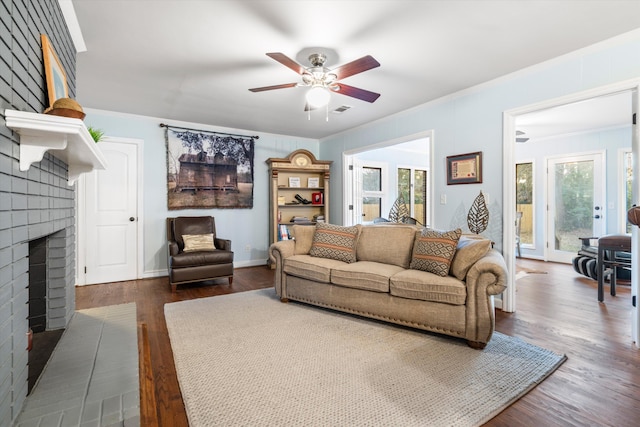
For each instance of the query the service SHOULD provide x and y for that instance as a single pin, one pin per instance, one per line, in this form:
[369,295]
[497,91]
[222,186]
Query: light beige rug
[248,359]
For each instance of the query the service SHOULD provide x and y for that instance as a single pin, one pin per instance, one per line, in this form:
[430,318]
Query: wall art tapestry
[208,169]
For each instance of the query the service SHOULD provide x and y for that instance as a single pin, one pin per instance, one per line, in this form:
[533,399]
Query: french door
[575,203]
[368,191]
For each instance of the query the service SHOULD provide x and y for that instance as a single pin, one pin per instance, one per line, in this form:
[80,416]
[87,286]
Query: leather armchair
[198,265]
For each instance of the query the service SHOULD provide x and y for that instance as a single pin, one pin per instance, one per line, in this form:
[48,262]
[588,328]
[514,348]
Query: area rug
[248,359]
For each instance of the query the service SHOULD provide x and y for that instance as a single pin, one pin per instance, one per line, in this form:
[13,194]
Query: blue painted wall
[242,226]
[472,121]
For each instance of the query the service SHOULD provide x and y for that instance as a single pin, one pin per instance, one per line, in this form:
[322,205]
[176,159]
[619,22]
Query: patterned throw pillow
[335,242]
[198,242]
[433,251]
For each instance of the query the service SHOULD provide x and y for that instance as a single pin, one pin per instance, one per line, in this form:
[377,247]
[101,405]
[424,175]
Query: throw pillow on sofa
[470,250]
[433,251]
[335,242]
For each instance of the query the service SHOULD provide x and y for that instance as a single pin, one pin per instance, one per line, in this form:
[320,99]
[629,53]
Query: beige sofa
[381,285]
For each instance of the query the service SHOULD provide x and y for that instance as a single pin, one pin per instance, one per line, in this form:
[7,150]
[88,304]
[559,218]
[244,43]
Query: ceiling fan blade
[355,92]
[354,67]
[283,86]
[287,62]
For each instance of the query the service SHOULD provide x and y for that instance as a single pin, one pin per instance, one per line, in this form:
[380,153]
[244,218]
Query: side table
[608,246]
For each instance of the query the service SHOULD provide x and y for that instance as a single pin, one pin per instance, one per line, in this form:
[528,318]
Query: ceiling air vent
[341,109]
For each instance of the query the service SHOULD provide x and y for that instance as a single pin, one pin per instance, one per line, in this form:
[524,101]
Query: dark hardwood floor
[599,384]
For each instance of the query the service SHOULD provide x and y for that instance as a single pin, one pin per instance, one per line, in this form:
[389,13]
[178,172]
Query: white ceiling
[195,60]
[605,112]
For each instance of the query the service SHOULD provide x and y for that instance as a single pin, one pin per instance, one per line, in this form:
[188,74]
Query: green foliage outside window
[574,198]
[524,183]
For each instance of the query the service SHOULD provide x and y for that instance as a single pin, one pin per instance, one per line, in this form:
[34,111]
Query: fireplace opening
[38,285]
[43,341]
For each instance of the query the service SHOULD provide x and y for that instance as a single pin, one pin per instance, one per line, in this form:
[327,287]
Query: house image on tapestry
[207,170]
[202,172]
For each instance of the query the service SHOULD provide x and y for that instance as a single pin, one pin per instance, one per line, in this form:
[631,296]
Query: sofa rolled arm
[278,252]
[485,278]
[488,276]
[223,244]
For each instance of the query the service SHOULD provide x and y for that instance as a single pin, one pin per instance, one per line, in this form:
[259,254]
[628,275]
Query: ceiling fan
[322,80]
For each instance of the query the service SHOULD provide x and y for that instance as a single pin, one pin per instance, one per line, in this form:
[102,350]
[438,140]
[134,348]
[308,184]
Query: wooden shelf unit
[303,165]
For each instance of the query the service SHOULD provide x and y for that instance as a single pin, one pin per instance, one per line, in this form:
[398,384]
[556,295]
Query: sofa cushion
[198,242]
[433,250]
[312,268]
[388,244]
[371,276]
[470,249]
[422,285]
[303,235]
[335,242]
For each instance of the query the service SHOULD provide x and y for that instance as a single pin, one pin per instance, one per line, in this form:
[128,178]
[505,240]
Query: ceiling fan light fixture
[318,96]
[330,78]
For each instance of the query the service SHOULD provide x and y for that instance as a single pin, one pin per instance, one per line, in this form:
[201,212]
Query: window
[524,200]
[412,186]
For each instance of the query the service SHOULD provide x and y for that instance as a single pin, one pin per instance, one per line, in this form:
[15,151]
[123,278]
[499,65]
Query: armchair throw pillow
[198,242]
[433,251]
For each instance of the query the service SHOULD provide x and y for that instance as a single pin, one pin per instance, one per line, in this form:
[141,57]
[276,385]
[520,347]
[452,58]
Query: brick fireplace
[33,203]
[40,208]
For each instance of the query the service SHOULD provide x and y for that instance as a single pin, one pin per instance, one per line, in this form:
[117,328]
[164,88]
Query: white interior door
[111,216]
[575,203]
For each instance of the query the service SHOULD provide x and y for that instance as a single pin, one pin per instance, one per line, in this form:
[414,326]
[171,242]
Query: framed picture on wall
[464,168]
[54,72]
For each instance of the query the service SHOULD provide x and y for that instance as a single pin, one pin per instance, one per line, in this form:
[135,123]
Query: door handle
[132,219]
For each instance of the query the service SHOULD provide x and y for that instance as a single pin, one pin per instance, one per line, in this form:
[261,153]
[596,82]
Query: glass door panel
[575,204]
[420,196]
[371,208]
